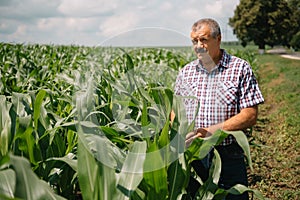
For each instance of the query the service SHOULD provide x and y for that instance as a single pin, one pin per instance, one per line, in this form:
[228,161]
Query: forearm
[245,119]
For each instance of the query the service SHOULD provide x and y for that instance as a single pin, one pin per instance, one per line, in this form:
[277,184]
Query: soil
[276,162]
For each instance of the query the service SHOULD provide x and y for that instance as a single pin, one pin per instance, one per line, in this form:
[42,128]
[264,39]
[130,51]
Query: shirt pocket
[227,93]
[189,92]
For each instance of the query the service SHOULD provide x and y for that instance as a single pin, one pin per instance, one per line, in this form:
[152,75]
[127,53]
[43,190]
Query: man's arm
[243,120]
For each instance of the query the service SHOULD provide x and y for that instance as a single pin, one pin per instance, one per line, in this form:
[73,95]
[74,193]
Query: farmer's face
[204,43]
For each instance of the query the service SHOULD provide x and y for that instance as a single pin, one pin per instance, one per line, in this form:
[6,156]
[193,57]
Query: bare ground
[276,161]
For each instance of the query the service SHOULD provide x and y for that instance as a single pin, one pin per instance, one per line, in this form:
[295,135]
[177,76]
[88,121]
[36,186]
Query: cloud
[118,23]
[89,22]
[87,8]
[214,8]
[29,9]
[70,24]
[191,13]
[6,2]
[147,36]
[166,6]
[7,26]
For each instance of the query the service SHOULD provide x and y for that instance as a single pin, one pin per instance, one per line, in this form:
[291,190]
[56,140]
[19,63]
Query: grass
[276,155]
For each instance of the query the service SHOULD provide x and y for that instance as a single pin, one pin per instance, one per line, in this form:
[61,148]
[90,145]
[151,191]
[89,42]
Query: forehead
[203,31]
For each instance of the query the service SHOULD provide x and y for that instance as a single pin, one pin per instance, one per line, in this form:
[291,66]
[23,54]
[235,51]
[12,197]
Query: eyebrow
[200,38]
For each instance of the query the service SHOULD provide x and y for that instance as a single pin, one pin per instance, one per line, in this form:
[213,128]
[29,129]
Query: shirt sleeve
[250,92]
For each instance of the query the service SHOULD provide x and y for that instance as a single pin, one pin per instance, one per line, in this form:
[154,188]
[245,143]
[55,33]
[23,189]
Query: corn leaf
[242,140]
[5,126]
[207,190]
[132,171]
[38,107]
[97,178]
[155,174]
[176,179]
[28,185]
[8,183]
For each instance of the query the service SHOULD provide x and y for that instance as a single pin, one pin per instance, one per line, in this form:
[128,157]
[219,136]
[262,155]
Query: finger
[190,135]
[188,143]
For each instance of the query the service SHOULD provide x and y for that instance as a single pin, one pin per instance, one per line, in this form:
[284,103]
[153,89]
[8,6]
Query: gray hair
[213,25]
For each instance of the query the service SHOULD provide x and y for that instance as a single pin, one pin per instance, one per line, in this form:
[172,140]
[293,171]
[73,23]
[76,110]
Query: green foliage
[94,123]
[20,182]
[295,42]
[264,22]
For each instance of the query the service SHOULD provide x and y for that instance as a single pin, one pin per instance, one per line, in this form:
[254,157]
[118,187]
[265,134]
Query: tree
[295,40]
[264,22]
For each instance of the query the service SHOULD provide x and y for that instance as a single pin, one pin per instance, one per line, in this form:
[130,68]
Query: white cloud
[83,24]
[20,32]
[214,8]
[89,22]
[7,26]
[118,23]
[166,6]
[87,8]
[29,9]
[191,14]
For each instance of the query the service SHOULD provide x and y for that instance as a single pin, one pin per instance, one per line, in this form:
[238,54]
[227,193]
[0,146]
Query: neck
[218,57]
[208,62]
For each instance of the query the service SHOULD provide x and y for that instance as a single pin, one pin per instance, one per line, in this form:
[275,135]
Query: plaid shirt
[219,94]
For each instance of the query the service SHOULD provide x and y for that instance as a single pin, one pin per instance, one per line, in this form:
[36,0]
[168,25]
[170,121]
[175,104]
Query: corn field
[94,123]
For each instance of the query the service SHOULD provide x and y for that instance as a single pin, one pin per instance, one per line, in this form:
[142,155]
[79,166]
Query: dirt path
[275,158]
[284,53]
[292,56]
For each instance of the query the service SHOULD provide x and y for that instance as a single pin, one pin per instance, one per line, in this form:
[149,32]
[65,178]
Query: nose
[200,44]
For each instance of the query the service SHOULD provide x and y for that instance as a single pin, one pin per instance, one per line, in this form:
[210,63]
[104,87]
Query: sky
[110,22]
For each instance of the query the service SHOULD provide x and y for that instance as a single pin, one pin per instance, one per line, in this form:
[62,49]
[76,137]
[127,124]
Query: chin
[199,57]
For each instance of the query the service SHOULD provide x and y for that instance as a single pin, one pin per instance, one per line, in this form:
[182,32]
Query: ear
[219,38]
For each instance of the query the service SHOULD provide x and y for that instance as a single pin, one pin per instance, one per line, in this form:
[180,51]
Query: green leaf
[69,159]
[8,183]
[129,63]
[164,138]
[38,108]
[155,174]
[132,171]
[88,173]
[97,164]
[180,122]
[207,190]
[28,145]
[28,185]
[244,144]
[5,126]
[236,190]
[176,179]
[202,146]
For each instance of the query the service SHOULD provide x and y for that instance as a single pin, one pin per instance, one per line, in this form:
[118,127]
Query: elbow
[250,116]
[253,120]
[253,115]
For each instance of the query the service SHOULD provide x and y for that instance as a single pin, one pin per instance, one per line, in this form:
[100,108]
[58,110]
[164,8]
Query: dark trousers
[233,170]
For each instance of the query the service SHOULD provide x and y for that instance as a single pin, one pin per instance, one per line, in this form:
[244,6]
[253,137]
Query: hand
[190,138]
[200,132]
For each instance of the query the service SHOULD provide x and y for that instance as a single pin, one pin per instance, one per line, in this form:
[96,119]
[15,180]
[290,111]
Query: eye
[195,42]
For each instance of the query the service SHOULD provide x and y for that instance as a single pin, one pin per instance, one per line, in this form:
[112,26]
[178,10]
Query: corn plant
[150,162]
[93,123]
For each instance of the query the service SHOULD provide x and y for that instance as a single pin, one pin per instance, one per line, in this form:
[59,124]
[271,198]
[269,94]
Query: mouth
[201,50]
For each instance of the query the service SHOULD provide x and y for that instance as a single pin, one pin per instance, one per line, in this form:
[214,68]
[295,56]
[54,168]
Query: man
[221,92]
